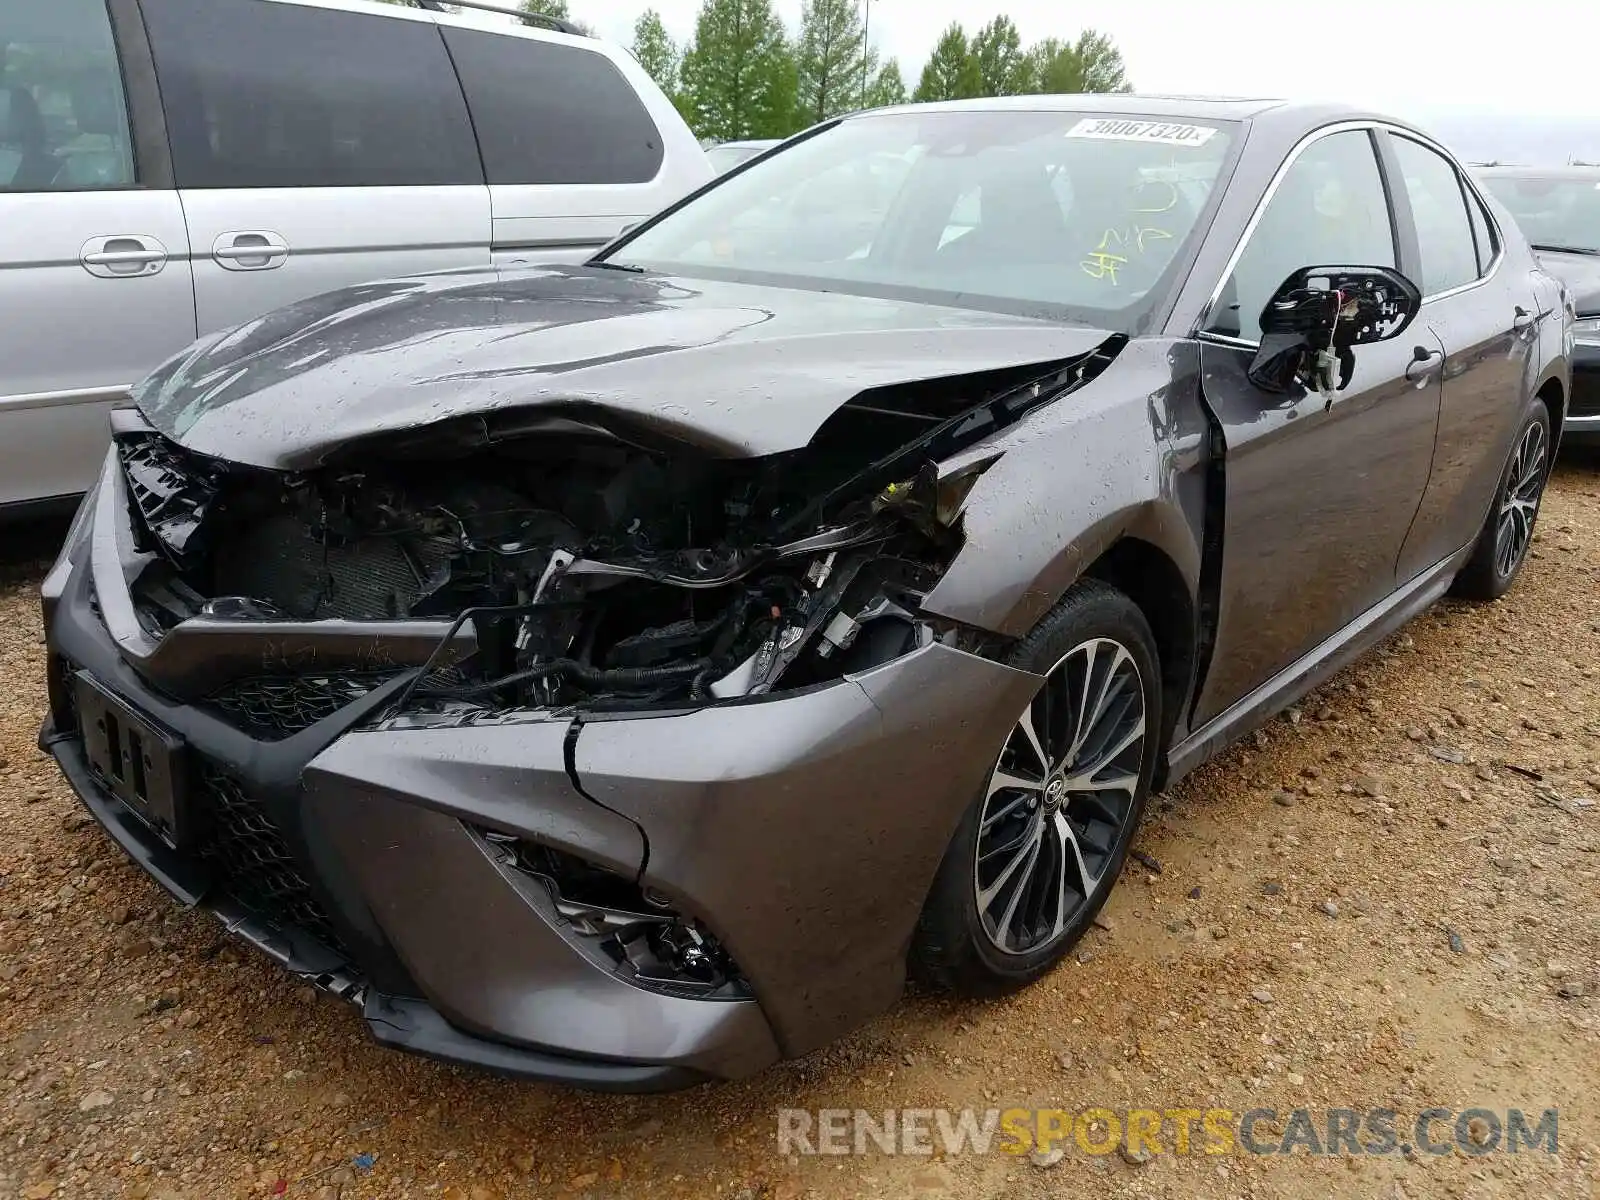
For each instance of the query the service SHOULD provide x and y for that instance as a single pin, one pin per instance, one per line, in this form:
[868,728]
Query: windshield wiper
[1565,249]
[608,265]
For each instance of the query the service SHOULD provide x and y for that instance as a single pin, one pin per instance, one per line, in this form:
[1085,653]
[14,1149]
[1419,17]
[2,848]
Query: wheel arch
[1150,578]
[1553,395]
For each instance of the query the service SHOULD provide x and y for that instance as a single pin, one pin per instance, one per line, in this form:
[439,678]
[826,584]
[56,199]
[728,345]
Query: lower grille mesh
[253,861]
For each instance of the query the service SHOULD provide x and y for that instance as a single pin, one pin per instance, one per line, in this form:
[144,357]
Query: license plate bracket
[143,765]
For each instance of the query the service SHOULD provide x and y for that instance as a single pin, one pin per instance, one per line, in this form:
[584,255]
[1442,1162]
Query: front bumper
[804,830]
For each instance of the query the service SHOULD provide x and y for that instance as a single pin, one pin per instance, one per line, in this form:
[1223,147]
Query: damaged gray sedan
[628,674]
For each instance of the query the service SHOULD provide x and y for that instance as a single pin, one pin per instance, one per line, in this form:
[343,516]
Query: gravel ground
[1389,898]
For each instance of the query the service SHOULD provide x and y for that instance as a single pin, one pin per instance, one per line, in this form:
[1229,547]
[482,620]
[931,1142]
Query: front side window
[1439,208]
[1065,214]
[1329,209]
[63,118]
[1554,212]
[287,95]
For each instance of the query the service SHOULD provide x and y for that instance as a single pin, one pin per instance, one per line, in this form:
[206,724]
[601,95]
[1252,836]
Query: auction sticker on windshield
[1162,132]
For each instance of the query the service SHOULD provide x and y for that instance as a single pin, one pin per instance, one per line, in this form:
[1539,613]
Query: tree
[997,49]
[1101,63]
[887,86]
[1091,64]
[656,51]
[554,8]
[738,76]
[951,72]
[831,59]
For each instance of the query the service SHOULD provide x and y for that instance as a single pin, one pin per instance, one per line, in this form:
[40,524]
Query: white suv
[173,167]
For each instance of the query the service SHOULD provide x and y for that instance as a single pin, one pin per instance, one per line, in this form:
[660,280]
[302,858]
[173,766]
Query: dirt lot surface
[1389,899]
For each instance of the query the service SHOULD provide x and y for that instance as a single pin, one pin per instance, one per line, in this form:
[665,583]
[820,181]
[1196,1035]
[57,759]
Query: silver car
[169,168]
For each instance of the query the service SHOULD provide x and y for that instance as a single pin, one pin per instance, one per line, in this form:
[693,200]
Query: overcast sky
[1402,55]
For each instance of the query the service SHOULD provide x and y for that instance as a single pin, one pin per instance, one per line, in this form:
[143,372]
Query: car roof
[1286,116]
[1581,173]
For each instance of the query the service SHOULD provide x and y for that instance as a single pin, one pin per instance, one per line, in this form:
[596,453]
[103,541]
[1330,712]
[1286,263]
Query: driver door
[1319,493]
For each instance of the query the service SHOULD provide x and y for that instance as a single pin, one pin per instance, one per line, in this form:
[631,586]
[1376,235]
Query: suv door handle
[1424,362]
[250,250]
[123,256]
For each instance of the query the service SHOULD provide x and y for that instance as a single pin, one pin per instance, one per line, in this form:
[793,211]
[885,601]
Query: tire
[1494,564]
[974,948]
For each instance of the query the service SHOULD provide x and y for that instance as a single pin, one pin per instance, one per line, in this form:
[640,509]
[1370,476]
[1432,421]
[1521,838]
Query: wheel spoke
[1031,734]
[1002,779]
[1004,811]
[1003,925]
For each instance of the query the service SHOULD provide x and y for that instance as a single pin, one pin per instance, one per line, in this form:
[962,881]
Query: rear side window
[1439,207]
[63,121]
[1482,233]
[266,94]
[551,113]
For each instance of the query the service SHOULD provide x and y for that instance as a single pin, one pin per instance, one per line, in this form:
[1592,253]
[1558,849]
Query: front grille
[273,708]
[252,859]
[1586,400]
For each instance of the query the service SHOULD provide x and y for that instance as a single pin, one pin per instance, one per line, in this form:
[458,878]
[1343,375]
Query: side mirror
[1318,314]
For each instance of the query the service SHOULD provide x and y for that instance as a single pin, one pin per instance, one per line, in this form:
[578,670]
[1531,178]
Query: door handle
[1424,362]
[250,250]
[123,256]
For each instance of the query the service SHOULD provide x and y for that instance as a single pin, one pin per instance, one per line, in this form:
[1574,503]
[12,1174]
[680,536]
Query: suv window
[1439,207]
[262,94]
[63,119]
[551,113]
[1329,209]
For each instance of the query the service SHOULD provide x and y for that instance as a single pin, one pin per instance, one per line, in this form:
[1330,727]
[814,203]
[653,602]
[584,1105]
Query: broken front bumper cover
[803,829]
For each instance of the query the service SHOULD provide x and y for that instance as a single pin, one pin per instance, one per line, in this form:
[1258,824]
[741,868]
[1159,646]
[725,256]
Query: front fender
[1124,456]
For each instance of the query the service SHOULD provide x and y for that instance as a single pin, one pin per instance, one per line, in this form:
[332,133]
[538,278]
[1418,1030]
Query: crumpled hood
[1581,274]
[739,369]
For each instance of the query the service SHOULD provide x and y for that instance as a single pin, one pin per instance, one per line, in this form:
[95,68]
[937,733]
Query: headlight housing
[1586,331]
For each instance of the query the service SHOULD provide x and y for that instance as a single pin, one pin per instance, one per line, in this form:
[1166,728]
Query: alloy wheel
[1060,798]
[1519,504]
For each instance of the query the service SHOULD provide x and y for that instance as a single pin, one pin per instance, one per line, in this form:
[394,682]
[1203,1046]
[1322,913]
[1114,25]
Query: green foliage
[832,60]
[739,78]
[952,70]
[997,51]
[547,8]
[656,51]
[1091,64]
[887,86]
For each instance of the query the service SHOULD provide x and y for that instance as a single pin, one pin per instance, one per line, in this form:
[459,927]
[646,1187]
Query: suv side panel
[94,270]
[573,162]
[334,143]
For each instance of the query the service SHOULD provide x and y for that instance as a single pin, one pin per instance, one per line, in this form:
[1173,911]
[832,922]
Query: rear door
[94,275]
[577,144]
[1485,315]
[314,148]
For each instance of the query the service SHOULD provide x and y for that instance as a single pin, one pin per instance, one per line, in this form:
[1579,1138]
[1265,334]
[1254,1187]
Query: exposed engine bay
[597,566]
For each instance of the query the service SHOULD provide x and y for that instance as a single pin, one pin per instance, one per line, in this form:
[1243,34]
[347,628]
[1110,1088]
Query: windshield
[1552,212]
[1059,213]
